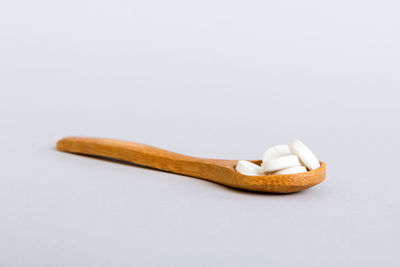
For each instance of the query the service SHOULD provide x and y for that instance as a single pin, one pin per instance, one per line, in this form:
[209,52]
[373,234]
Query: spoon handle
[136,153]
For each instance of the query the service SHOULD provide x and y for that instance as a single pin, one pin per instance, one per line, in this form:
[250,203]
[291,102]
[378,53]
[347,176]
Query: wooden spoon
[215,170]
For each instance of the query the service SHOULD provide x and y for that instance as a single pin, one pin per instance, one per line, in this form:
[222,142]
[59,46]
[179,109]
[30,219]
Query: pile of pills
[282,159]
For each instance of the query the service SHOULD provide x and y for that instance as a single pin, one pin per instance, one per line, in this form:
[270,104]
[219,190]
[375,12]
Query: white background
[216,79]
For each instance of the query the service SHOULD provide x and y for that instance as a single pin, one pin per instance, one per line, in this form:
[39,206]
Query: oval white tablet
[297,169]
[305,155]
[248,168]
[276,152]
[280,163]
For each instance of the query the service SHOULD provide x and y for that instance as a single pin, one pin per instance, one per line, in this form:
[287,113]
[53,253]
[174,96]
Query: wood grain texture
[215,170]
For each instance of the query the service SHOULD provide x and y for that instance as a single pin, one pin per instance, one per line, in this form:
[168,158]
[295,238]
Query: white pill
[305,155]
[297,169]
[280,163]
[276,152]
[248,168]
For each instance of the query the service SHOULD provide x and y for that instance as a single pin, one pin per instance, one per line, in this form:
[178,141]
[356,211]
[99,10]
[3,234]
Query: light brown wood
[215,170]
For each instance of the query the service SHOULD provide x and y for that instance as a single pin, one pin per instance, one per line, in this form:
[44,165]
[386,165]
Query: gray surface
[217,79]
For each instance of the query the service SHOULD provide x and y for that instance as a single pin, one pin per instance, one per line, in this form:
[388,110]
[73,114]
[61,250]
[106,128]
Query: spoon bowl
[215,170]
